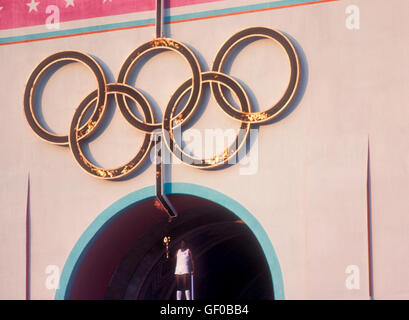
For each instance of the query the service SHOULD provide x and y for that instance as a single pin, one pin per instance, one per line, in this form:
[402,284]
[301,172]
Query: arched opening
[122,255]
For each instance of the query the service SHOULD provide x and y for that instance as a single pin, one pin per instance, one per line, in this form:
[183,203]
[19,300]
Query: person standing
[184,268]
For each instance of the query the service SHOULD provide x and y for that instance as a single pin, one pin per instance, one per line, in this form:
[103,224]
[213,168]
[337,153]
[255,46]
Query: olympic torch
[166,241]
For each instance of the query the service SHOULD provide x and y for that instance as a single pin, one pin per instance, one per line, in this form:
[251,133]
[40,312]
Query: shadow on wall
[157,109]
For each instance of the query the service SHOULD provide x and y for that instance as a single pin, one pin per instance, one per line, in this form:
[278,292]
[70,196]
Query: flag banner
[33,20]
[24,13]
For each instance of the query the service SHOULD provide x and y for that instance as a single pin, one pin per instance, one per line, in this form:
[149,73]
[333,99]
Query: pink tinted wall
[309,191]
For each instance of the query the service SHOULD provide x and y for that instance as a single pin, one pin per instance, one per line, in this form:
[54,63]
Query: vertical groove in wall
[369,224]
[28,251]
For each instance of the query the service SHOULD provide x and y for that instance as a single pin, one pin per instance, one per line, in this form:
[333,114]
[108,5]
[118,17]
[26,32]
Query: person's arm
[191,260]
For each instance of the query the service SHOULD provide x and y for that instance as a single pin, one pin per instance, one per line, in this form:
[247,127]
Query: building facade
[313,205]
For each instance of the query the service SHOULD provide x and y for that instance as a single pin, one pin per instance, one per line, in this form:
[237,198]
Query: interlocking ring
[136,55]
[193,87]
[231,151]
[33,81]
[282,104]
[75,145]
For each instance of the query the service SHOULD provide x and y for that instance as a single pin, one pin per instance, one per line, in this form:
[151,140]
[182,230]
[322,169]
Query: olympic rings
[275,110]
[29,94]
[138,53]
[193,87]
[218,160]
[136,161]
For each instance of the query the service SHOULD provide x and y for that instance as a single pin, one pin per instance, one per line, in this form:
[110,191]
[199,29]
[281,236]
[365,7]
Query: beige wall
[309,192]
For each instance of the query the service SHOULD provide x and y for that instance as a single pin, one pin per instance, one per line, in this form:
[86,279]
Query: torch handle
[191,283]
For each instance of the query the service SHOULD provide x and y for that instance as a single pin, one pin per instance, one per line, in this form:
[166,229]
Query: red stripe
[257,10]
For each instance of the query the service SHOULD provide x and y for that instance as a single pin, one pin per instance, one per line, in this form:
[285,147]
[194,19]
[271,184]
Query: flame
[157,204]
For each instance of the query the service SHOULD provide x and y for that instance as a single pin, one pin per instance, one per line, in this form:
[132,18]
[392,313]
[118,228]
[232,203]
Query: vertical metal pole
[159,18]
[192,294]
[159,166]
[160,194]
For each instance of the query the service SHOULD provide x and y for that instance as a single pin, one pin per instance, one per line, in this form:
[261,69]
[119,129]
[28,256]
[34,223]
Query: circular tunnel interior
[127,260]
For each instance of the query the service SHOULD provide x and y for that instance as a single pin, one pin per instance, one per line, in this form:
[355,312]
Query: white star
[1,8]
[107,0]
[33,5]
[69,3]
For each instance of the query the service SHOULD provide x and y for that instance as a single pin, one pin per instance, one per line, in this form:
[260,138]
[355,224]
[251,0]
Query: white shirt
[182,262]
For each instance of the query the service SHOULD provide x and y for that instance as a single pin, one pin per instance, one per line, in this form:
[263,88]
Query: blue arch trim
[92,233]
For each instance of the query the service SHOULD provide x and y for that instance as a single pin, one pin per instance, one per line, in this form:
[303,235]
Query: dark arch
[98,253]
[229,262]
